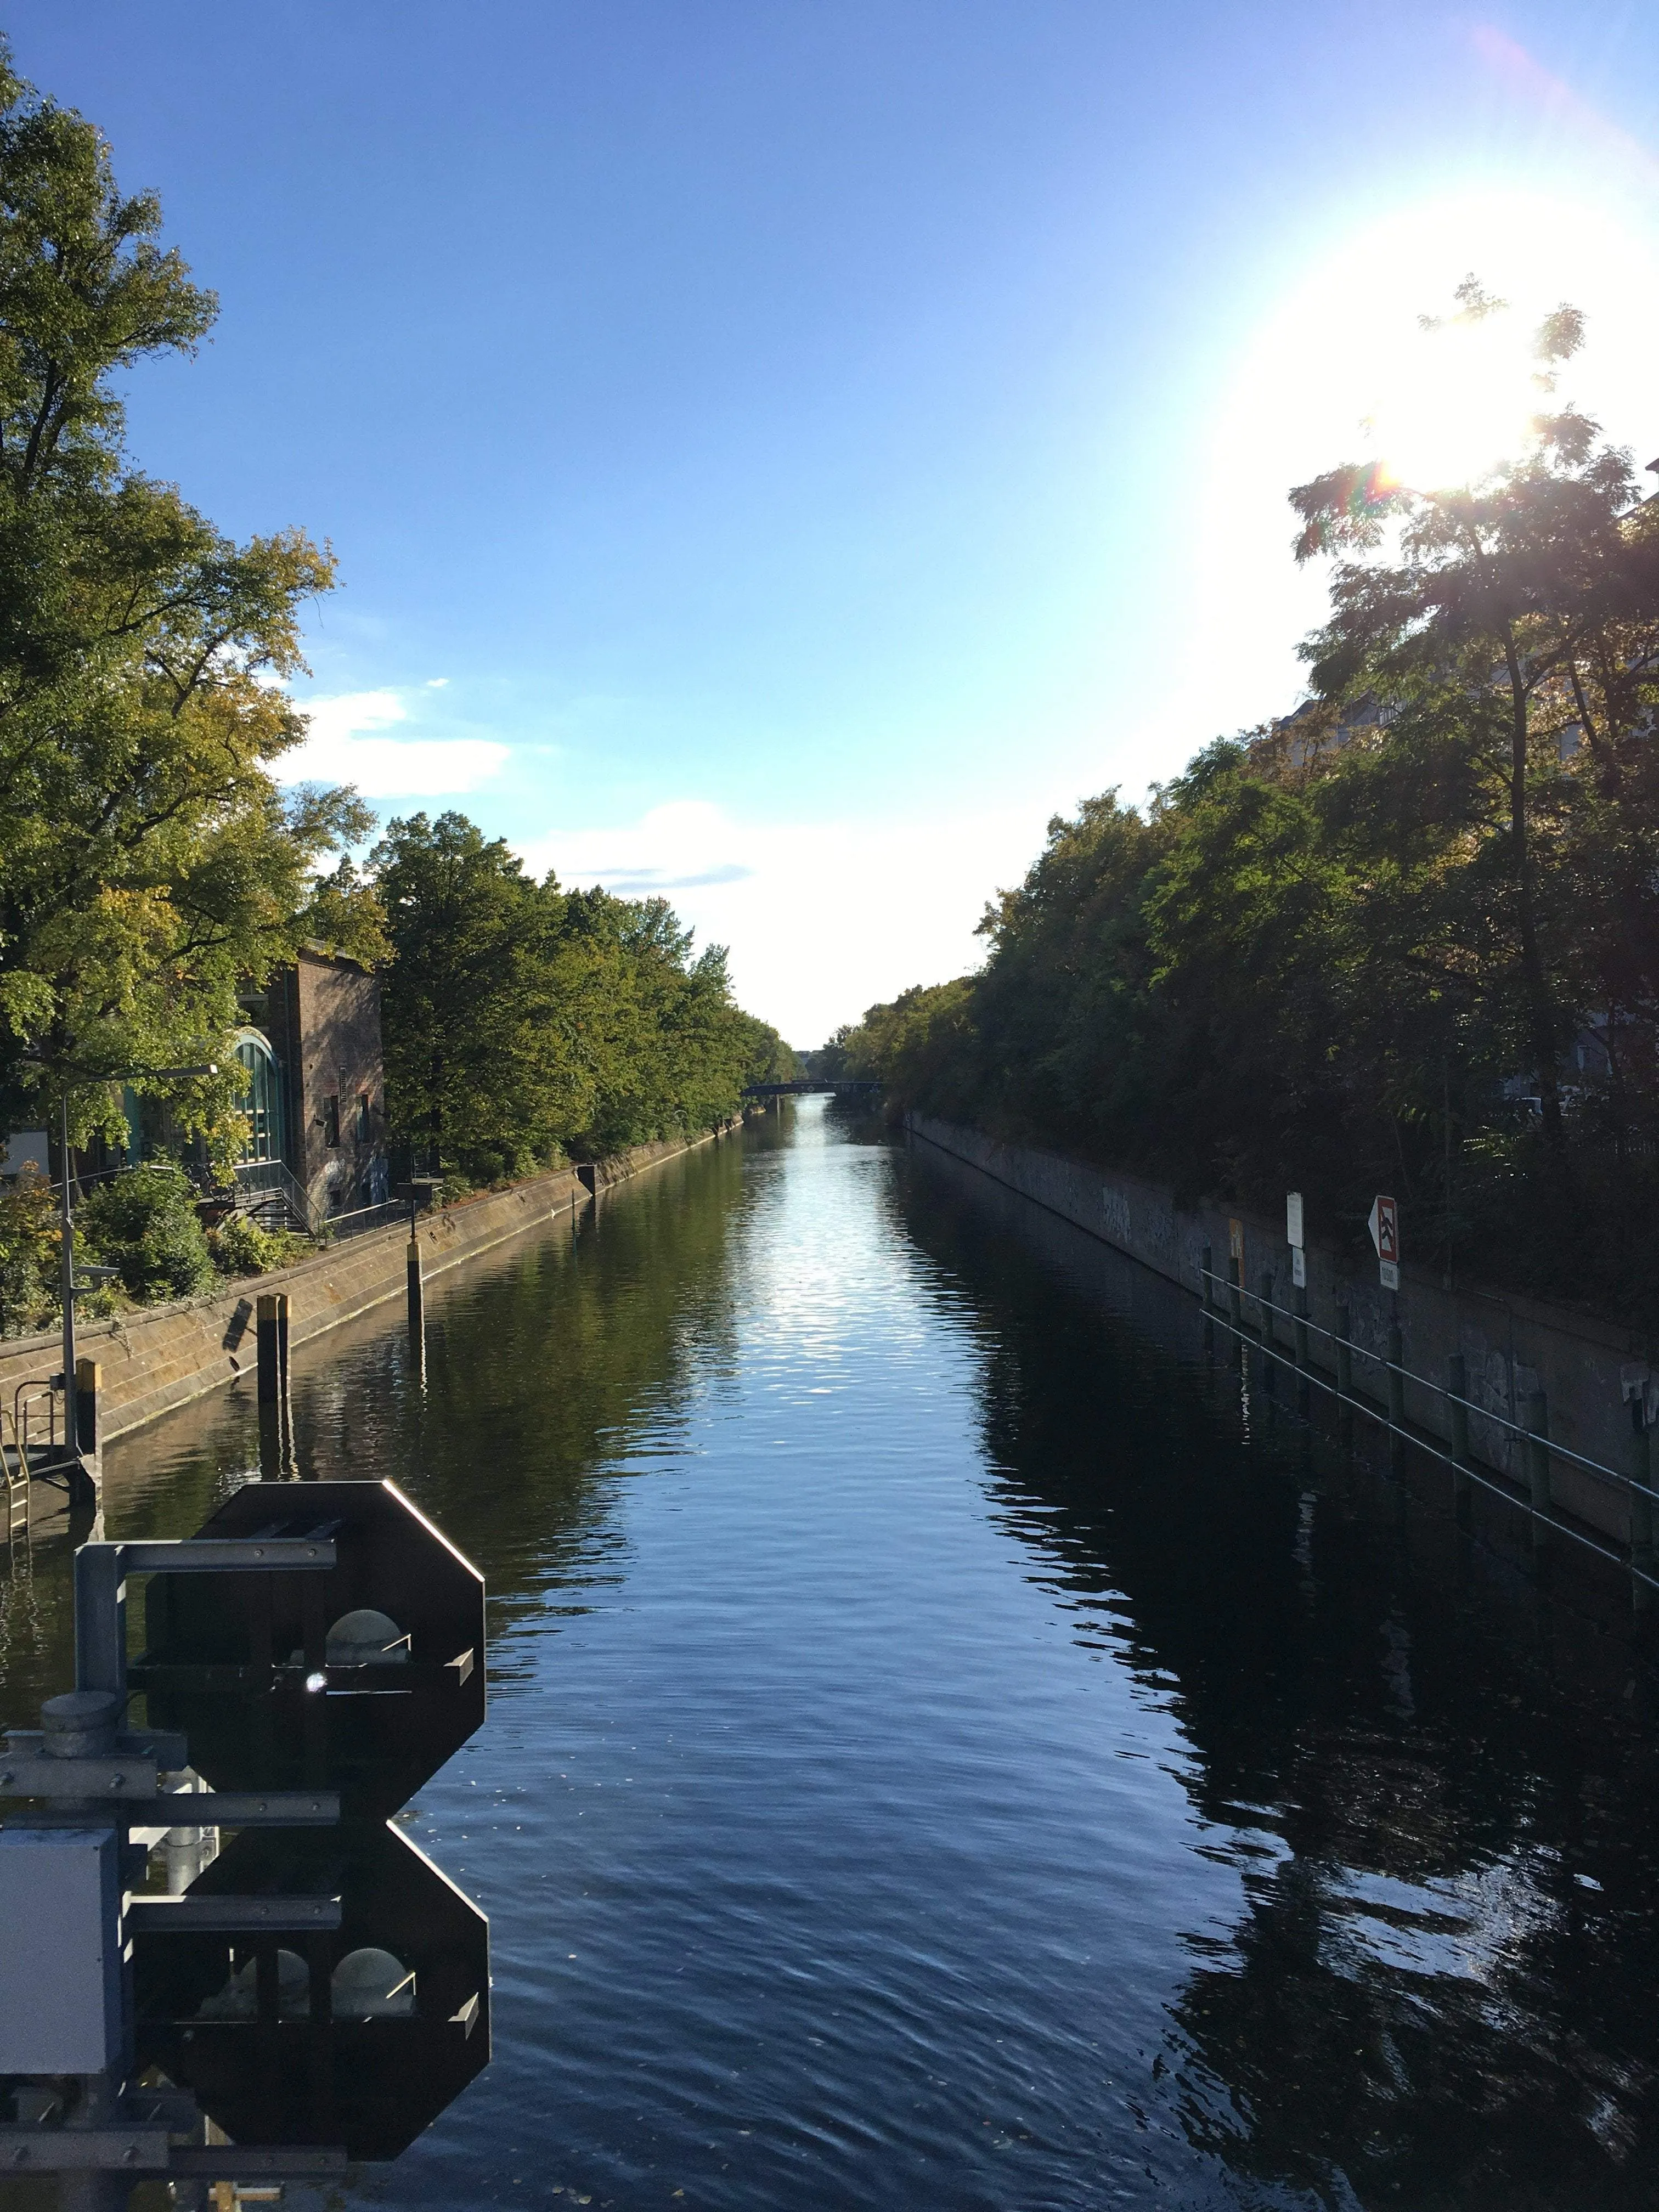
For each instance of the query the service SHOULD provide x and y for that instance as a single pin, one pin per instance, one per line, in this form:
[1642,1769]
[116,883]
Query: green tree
[767,1058]
[148,864]
[483,1070]
[524,1022]
[1494,620]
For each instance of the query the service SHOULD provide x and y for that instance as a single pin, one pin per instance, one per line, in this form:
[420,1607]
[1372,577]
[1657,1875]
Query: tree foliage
[524,1023]
[1407,938]
[148,864]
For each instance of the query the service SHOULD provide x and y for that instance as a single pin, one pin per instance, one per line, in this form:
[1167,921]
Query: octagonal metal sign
[360,2034]
[365,1678]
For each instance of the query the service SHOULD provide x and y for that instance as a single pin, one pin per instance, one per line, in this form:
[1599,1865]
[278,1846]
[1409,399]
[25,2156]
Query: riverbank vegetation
[525,1024]
[1406,939]
[152,866]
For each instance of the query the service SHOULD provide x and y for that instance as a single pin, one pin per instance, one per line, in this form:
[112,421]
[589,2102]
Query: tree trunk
[1541,1023]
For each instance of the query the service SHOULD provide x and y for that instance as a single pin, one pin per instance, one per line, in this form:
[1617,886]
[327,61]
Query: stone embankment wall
[1512,1345]
[164,1356]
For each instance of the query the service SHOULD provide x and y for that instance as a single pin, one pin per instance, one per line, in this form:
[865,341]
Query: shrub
[144,1224]
[28,1255]
[241,1247]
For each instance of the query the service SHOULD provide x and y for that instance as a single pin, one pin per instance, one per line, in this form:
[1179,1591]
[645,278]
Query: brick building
[316,1100]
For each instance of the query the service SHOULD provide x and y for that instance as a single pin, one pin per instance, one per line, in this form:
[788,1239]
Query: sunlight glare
[1454,403]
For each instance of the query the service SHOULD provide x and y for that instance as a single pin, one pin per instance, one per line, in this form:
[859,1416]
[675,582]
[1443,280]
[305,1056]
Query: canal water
[954,1743]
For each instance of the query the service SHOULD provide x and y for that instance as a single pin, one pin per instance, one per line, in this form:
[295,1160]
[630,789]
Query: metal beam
[229,1916]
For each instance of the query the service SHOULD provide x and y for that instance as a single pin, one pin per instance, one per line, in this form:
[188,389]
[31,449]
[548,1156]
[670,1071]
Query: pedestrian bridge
[839,1086]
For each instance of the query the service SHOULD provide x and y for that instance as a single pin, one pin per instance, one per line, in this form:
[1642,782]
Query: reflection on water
[949,1748]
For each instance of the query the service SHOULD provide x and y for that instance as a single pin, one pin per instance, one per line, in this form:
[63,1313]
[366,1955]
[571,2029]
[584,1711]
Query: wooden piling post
[1235,1293]
[1641,1513]
[267,1349]
[1206,1283]
[1538,1459]
[284,1403]
[1344,1351]
[1300,1331]
[1396,1375]
[1457,1391]
[87,1376]
[417,1288]
[276,1420]
[86,1478]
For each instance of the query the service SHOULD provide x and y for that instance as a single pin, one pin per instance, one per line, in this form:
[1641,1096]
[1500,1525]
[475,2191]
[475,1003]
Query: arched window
[267,1122]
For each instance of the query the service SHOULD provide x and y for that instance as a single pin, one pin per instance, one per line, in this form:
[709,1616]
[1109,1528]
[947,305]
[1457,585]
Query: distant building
[317,1094]
[315,1103]
[1316,727]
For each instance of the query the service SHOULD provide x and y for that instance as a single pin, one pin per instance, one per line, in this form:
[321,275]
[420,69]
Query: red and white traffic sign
[1384,1226]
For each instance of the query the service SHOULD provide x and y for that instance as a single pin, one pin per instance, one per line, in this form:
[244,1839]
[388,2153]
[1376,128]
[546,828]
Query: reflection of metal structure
[14,1468]
[317,1989]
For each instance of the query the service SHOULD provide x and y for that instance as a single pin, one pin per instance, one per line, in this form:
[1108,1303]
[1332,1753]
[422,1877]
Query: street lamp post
[69,1288]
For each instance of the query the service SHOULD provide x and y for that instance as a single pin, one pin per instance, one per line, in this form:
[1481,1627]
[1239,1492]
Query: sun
[1454,402]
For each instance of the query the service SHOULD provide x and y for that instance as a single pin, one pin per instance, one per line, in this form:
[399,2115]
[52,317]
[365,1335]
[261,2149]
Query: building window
[365,1126]
[266,1138]
[332,1120]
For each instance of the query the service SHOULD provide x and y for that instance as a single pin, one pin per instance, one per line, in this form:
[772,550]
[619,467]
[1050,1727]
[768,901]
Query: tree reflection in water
[1437,1784]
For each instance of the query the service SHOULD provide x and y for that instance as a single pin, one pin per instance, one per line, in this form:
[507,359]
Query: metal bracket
[146,2149]
[84,2150]
[100,1572]
[228,1915]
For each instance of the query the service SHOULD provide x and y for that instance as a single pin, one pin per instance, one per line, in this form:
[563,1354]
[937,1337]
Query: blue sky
[780,453]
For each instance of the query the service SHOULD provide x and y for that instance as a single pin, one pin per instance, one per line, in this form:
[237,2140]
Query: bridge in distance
[844,1086]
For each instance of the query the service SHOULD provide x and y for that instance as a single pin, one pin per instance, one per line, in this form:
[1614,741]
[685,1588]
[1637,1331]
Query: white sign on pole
[1299,1268]
[1293,1218]
[1384,1226]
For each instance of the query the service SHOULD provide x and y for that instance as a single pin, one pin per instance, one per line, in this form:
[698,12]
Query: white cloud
[823,919]
[341,746]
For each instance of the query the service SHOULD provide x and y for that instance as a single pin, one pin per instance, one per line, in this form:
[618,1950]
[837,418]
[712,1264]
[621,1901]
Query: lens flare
[1454,402]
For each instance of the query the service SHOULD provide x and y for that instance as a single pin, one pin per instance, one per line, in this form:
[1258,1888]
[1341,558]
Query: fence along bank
[154,1360]
[1547,1391]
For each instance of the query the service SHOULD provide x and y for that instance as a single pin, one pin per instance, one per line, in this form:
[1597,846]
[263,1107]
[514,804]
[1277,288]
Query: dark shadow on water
[1438,1781]
[795,1812]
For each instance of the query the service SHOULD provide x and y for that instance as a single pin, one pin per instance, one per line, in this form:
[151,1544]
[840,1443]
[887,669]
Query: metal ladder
[15,1462]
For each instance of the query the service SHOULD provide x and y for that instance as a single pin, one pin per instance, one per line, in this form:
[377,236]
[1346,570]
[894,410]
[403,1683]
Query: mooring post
[284,1403]
[1265,1301]
[1396,1374]
[1300,1330]
[85,1468]
[270,1354]
[1208,1285]
[1235,1295]
[1538,1462]
[1344,1352]
[416,1287]
[1457,1392]
[1641,1511]
[271,1338]
[87,1376]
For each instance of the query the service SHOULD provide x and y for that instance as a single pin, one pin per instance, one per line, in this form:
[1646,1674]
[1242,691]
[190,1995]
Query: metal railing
[1539,1448]
[362,1218]
[272,1182]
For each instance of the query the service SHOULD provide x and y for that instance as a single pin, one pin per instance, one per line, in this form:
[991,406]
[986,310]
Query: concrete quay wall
[163,1355]
[1511,1345]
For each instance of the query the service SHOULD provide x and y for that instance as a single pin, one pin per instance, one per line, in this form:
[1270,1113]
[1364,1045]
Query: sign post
[1384,1226]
